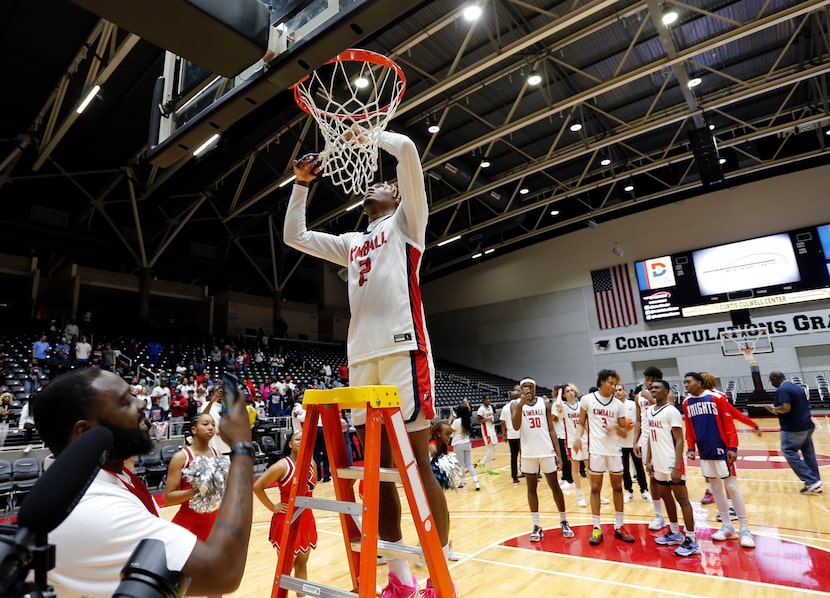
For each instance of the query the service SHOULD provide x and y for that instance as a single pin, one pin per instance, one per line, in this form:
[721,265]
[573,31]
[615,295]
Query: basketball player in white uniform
[644,401]
[486,418]
[665,462]
[531,416]
[387,341]
[603,416]
[570,417]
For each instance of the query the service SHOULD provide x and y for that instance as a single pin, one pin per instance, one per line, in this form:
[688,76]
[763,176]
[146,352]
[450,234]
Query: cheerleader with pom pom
[196,480]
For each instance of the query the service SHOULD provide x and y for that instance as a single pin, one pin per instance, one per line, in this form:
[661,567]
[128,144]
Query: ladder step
[413,554]
[310,588]
[354,472]
[326,504]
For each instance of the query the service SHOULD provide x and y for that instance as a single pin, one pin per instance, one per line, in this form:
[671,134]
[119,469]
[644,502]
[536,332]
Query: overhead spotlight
[361,82]
[722,161]
[628,188]
[524,190]
[207,144]
[827,132]
[534,78]
[471,12]
[477,255]
[489,251]
[592,224]
[433,129]
[575,126]
[669,14]
[711,127]
[694,82]
[617,250]
[605,161]
[448,241]
[554,212]
[485,163]
[89,97]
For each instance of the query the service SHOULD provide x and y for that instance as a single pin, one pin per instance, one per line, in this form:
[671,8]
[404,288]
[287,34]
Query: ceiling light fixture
[524,190]
[629,188]
[485,163]
[534,78]
[489,251]
[477,255]
[592,224]
[89,97]
[605,161]
[361,82]
[618,251]
[694,82]
[433,129]
[722,161]
[286,181]
[576,126]
[471,12]
[669,14]
[354,205]
[711,127]
[207,144]
[554,212]
[448,241]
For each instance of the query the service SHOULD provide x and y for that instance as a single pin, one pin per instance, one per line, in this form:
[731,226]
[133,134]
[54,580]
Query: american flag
[614,297]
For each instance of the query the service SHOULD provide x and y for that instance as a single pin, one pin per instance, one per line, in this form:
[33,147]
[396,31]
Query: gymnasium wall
[532,312]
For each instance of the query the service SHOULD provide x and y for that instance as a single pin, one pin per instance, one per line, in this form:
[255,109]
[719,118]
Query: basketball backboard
[191,105]
[747,341]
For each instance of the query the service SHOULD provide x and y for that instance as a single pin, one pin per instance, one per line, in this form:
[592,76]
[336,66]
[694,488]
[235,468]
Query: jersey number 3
[365,268]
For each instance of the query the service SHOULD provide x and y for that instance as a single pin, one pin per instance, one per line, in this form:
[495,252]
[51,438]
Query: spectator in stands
[259,357]
[793,410]
[216,355]
[108,357]
[162,393]
[158,421]
[178,411]
[298,416]
[6,400]
[266,390]
[33,374]
[71,331]
[117,511]
[154,351]
[82,352]
[61,353]
[41,348]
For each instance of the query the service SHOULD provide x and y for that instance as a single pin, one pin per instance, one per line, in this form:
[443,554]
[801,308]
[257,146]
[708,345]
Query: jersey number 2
[365,268]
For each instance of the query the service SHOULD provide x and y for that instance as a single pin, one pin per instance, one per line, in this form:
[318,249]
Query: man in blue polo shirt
[793,411]
[40,349]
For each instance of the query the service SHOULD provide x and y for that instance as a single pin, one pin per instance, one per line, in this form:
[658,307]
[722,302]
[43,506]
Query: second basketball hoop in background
[352,97]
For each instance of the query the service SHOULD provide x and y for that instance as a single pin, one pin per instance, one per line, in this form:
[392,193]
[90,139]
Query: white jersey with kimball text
[534,435]
[658,429]
[383,262]
[601,412]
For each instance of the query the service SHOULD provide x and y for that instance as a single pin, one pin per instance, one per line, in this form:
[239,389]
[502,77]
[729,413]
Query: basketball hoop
[748,353]
[352,98]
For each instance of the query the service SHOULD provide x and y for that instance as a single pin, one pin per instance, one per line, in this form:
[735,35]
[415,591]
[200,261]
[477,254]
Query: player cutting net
[387,342]
[352,97]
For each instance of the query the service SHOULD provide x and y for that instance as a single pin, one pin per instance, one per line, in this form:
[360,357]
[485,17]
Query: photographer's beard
[128,442]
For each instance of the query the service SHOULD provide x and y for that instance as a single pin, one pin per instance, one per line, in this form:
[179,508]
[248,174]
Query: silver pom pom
[208,476]
[452,468]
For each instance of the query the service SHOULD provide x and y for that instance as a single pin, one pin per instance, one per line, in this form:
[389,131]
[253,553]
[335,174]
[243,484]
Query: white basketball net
[352,100]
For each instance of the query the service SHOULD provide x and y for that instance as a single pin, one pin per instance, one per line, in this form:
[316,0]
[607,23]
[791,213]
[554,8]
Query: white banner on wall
[687,336]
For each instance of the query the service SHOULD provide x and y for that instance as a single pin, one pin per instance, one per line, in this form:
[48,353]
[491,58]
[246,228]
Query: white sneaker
[580,501]
[627,497]
[565,485]
[747,541]
[646,495]
[604,501]
[726,533]
[28,449]
[657,523]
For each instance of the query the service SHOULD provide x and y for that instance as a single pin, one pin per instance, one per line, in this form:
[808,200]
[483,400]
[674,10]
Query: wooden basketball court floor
[490,528]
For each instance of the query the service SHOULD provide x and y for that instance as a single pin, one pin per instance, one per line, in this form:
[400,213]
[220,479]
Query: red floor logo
[764,459]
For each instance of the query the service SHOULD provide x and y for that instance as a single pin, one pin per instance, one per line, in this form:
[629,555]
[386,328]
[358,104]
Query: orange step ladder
[359,521]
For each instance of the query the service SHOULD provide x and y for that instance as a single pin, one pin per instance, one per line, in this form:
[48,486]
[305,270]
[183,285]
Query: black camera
[146,574]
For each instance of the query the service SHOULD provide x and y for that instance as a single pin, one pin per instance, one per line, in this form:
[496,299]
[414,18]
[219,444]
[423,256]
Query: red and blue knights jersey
[709,426]
[383,262]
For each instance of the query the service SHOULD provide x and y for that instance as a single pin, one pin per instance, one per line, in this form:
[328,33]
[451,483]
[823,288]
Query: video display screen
[772,270]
